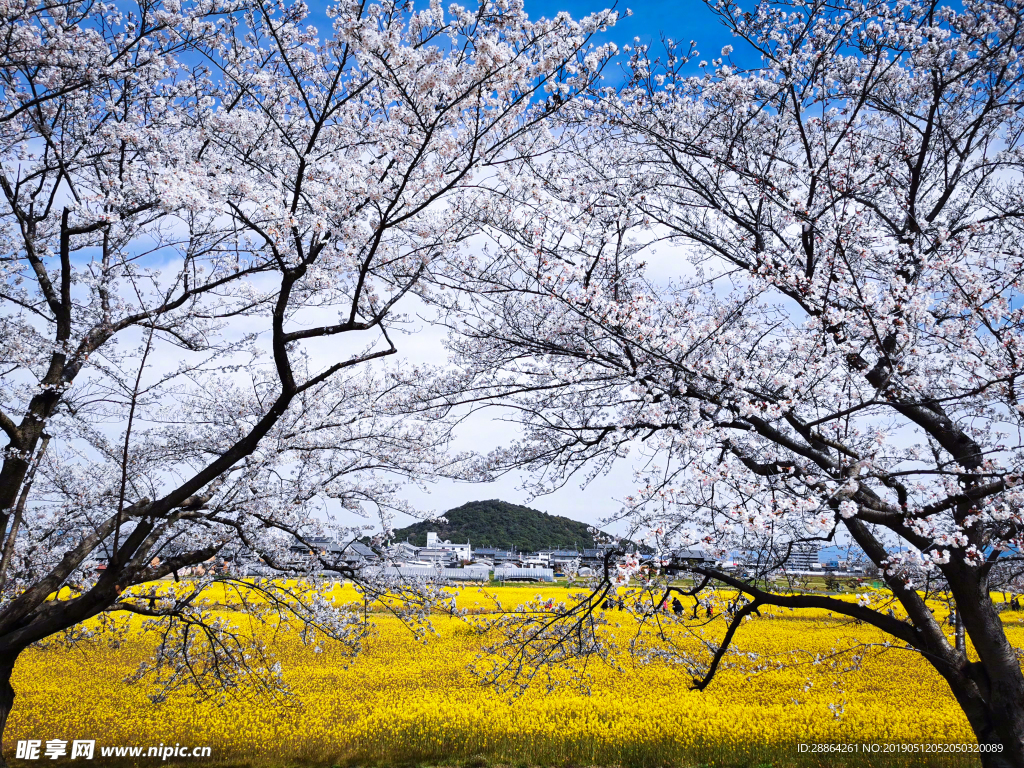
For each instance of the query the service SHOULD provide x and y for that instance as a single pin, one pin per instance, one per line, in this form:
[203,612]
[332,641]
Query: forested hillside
[497,523]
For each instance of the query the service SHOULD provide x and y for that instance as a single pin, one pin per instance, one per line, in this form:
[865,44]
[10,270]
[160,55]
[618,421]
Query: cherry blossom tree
[793,295]
[210,218]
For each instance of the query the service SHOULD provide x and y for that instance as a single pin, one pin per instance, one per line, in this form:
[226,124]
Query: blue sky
[681,20]
[652,20]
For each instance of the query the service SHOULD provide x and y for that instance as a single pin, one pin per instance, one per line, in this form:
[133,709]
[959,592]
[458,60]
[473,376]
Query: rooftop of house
[327,544]
[686,554]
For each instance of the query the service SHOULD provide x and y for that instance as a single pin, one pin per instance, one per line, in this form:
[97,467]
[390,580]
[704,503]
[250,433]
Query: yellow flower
[402,700]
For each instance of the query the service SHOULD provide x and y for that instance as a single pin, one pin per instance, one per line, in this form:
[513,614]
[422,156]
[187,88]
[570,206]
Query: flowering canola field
[404,701]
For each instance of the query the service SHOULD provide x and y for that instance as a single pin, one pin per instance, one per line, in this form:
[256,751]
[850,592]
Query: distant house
[595,556]
[560,558]
[333,551]
[435,549]
[315,545]
[681,559]
[439,556]
[497,556]
[403,551]
[355,550]
[490,552]
[686,557]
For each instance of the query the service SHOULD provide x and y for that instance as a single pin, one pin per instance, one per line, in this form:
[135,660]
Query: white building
[437,550]
[803,556]
[442,556]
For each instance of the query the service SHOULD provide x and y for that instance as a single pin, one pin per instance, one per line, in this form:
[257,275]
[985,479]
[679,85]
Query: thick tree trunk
[990,690]
[992,720]
[6,701]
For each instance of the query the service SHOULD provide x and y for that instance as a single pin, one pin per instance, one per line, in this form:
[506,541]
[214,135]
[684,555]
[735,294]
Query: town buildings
[454,558]
[803,556]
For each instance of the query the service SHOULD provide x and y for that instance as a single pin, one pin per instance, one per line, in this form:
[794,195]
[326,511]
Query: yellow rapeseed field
[403,701]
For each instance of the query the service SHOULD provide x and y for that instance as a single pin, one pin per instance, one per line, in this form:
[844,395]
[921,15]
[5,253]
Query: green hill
[500,524]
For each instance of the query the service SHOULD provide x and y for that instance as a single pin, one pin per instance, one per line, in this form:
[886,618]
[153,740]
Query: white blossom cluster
[212,218]
[792,296]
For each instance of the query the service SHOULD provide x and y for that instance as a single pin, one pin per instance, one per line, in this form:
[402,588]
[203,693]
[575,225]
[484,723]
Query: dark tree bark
[6,699]
[990,690]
